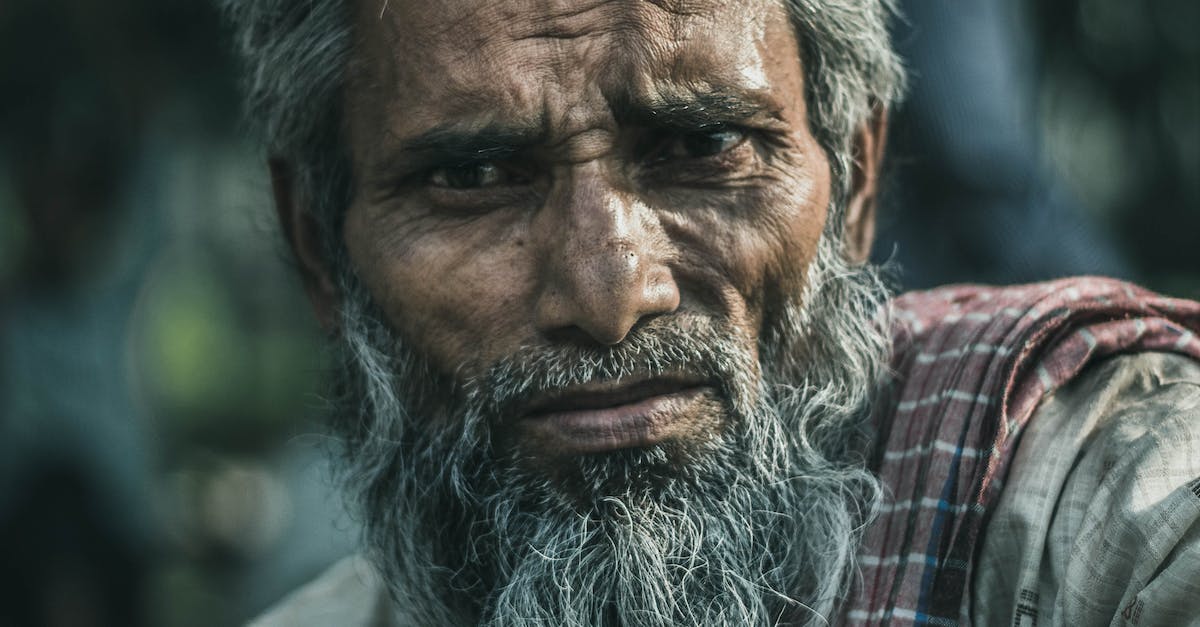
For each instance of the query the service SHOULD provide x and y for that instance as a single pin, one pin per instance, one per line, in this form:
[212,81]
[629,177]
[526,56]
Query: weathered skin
[600,220]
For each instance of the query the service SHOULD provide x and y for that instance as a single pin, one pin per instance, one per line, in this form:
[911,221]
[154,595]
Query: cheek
[454,293]
[793,236]
[740,257]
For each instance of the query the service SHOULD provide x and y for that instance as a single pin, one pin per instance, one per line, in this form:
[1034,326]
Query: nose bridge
[602,273]
[596,217]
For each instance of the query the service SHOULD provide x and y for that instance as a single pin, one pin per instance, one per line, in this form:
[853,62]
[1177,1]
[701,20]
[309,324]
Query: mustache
[690,347]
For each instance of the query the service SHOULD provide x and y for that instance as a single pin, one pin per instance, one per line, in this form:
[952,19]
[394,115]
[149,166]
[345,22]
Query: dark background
[160,373]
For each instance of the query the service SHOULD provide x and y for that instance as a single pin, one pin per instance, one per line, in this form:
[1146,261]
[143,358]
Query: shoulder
[920,313]
[983,297]
[1100,513]
[348,594]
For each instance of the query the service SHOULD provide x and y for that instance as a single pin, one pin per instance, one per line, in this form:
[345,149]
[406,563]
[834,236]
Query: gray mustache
[706,350]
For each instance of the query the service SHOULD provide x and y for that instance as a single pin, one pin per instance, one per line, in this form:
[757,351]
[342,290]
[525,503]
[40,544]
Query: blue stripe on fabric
[935,532]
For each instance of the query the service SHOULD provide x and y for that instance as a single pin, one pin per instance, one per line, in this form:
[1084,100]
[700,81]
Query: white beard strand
[758,526]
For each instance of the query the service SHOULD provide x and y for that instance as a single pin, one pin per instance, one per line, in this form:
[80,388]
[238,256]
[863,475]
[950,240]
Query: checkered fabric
[972,363]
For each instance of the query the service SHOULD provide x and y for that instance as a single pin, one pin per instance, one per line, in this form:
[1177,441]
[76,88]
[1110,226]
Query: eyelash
[665,142]
[733,162]
[448,173]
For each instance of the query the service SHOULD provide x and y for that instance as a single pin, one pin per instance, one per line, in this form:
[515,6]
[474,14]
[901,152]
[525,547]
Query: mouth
[607,416]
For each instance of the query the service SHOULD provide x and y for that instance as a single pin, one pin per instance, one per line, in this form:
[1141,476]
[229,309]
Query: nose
[605,263]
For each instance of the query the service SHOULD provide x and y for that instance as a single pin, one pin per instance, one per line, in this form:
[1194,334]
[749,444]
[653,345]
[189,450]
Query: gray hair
[296,55]
[764,528]
[757,526]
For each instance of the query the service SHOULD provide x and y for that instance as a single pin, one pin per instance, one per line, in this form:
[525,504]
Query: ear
[869,142]
[302,233]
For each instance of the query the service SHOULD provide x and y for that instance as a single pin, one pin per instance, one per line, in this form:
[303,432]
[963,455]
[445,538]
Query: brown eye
[707,143]
[467,176]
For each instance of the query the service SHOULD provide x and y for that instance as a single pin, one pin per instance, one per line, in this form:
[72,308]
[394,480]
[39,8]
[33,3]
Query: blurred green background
[161,374]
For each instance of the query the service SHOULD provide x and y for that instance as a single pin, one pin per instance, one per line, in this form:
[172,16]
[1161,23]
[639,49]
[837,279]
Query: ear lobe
[302,233]
[869,141]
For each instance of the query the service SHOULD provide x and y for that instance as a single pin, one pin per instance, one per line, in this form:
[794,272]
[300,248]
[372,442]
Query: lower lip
[640,424]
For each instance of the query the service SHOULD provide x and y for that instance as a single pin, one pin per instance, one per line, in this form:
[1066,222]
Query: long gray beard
[758,525]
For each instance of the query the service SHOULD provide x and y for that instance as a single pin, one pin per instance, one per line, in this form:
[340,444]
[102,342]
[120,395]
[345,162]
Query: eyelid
[446,174]
[510,173]
[734,166]
[666,138]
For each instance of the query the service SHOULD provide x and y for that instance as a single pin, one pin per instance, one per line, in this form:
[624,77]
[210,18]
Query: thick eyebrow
[455,144]
[692,110]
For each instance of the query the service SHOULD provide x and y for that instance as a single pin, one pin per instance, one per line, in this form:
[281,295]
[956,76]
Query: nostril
[596,290]
[571,336]
[645,320]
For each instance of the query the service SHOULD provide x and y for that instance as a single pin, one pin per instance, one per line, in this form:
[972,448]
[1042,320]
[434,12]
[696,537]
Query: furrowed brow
[451,144]
[692,110]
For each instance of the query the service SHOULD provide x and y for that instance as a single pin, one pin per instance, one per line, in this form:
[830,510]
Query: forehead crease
[573,18]
[432,65]
[476,59]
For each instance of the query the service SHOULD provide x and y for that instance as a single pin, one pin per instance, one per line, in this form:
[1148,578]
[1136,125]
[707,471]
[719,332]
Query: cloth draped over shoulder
[971,365]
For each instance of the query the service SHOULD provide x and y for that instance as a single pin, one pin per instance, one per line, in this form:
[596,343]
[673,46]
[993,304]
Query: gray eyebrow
[454,143]
[690,110]
[450,143]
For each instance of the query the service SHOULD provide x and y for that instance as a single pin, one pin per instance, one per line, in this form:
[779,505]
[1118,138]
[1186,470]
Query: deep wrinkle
[594,239]
[602,251]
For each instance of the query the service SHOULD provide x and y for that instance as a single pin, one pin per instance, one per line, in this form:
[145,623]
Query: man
[611,356]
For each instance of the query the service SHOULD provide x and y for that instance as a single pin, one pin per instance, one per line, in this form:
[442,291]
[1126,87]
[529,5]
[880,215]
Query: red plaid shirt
[972,363]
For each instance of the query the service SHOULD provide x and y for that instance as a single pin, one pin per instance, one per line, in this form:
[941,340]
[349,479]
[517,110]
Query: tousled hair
[793,476]
[296,56]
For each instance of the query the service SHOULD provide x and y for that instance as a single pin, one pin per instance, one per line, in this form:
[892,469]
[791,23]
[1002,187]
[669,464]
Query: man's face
[603,364]
[533,174]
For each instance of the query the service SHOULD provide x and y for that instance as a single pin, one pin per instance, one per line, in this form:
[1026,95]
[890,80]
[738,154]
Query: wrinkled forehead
[430,59]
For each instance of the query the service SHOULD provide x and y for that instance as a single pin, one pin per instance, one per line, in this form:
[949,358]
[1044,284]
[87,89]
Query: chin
[747,509]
